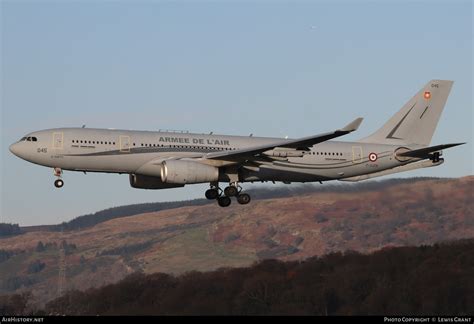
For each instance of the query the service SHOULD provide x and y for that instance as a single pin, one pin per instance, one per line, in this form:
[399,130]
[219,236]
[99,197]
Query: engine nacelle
[183,172]
[148,182]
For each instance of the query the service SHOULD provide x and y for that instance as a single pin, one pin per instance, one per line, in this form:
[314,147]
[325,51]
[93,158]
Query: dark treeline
[9,230]
[431,280]
[279,192]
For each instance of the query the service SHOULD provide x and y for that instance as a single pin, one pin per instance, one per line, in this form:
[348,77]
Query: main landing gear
[223,197]
[59,183]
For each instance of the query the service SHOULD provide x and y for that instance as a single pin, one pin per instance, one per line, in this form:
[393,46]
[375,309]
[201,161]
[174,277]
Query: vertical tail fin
[416,122]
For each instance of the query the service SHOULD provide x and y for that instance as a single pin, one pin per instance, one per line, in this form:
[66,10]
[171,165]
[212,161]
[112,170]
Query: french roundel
[372,157]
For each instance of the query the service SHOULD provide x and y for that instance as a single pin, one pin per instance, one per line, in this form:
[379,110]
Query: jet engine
[149,182]
[183,172]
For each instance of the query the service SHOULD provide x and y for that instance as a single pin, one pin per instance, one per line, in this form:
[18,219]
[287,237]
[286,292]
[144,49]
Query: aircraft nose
[14,148]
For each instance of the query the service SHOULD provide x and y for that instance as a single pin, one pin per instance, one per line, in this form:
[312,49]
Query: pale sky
[267,68]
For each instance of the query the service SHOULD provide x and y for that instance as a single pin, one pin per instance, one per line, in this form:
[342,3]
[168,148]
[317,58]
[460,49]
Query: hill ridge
[207,237]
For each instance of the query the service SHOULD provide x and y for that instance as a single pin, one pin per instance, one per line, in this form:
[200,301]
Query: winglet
[353,125]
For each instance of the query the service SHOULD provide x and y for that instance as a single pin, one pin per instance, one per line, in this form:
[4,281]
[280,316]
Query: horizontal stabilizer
[425,152]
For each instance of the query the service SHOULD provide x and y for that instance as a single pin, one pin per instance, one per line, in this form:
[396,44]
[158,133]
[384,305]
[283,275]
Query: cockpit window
[34,139]
[23,139]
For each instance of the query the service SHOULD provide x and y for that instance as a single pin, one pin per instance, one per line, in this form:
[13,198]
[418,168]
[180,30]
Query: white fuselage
[141,152]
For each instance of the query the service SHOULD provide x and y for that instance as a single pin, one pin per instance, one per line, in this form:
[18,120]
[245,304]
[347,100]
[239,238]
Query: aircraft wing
[246,153]
[425,152]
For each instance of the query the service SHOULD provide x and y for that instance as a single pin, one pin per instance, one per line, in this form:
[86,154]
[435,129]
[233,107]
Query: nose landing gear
[59,183]
[223,197]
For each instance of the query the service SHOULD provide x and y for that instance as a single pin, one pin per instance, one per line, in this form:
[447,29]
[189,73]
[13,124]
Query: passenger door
[356,154]
[58,141]
[124,143]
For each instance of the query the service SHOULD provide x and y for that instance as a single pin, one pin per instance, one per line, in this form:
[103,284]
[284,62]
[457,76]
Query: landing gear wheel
[231,191]
[243,199]
[211,194]
[58,183]
[223,201]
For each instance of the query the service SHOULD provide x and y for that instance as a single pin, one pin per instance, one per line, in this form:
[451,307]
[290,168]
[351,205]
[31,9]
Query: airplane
[170,159]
